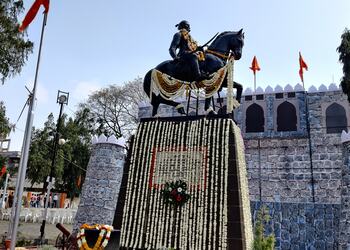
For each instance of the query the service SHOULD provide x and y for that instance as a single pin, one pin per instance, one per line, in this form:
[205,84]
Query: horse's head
[229,41]
[236,44]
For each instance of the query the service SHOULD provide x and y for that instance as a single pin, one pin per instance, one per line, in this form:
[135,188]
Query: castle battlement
[289,88]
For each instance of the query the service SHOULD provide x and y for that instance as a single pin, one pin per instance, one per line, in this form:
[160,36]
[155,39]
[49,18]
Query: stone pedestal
[102,182]
[344,225]
[208,155]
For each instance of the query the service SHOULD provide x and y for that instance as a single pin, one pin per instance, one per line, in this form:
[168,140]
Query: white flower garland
[163,220]
[201,144]
[205,224]
[247,233]
[128,198]
[152,237]
[162,225]
[145,189]
[193,133]
[166,145]
[230,85]
[185,208]
[216,180]
[225,212]
[140,176]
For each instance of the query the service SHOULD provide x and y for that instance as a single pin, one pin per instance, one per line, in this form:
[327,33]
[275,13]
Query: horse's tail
[147,83]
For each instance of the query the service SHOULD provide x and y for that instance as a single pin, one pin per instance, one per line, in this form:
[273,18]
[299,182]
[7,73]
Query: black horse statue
[225,44]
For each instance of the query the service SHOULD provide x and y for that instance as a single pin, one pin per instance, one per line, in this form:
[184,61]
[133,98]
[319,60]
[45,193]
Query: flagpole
[303,83]
[254,82]
[26,145]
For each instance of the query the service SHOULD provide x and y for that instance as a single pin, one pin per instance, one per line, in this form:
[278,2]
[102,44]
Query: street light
[62,98]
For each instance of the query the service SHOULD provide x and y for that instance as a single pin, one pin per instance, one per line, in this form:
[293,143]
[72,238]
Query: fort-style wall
[296,162]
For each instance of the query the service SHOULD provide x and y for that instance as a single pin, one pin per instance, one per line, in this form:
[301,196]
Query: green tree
[344,58]
[14,48]
[72,157]
[5,129]
[39,164]
[76,152]
[5,126]
[261,241]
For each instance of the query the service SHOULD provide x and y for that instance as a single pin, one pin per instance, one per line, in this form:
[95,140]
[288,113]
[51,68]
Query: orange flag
[302,65]
[255,65]
[32,13]
[3,171]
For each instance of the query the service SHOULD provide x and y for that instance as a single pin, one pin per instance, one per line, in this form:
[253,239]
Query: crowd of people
[39,200]
[36,200]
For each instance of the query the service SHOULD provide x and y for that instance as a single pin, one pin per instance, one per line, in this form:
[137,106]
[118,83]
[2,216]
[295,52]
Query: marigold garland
[82,244]
[174,193]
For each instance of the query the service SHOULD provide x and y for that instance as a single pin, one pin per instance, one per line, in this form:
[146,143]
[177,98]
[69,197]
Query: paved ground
[31,231]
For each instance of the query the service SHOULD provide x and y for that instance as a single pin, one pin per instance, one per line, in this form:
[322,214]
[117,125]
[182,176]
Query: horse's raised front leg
[178,106]
[207,104]
[155,104]
[208,108]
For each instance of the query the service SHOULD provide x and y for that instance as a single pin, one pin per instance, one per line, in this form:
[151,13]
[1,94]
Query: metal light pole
[17,201]
[62,98]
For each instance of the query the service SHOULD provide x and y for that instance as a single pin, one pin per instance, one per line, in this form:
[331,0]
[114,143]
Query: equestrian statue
[193,64]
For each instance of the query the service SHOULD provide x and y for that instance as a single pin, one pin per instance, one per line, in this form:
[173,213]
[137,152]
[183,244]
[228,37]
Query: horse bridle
[218,54]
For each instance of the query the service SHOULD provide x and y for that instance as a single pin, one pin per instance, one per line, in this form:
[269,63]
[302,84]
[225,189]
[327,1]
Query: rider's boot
[198,74]
[201,75]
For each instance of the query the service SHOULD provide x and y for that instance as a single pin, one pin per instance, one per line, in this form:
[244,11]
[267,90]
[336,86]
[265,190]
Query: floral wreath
[82,244]
[174,193]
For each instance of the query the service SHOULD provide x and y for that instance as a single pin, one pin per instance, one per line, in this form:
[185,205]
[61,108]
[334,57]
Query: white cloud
[84,88]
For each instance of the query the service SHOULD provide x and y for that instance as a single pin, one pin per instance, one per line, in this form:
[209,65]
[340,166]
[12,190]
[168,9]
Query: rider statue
[189,51]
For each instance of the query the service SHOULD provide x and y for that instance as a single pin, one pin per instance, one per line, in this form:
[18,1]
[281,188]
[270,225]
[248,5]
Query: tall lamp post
[62,98]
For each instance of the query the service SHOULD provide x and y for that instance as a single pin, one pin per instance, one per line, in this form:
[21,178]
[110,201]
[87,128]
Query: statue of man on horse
[189,51]
[192,64]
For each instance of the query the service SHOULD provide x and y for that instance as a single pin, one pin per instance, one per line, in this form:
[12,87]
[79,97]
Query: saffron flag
[302,65]
[3,171]
[32,13]
[255,65]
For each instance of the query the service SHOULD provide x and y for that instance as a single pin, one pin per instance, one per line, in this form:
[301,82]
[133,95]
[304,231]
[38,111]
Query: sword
[210,40]
[205,44]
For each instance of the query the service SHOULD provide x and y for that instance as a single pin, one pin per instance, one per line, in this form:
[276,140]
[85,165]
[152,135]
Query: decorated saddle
[171,88]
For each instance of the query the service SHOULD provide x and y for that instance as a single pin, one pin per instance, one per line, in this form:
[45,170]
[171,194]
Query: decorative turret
[103,178]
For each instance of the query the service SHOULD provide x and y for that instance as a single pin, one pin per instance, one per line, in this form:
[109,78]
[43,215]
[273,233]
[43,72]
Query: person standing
[55,200]
[10,200]
[38,200]
[42,201]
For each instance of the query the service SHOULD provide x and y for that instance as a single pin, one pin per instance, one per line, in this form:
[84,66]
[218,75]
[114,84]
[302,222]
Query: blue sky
[90,44]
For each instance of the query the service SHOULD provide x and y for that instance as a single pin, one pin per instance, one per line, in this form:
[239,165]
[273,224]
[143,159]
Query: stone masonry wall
[344,230]
[283,173]
[302,225]
[101,187]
